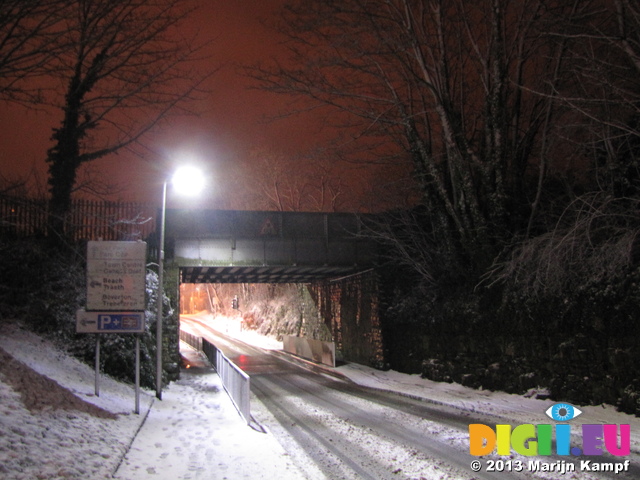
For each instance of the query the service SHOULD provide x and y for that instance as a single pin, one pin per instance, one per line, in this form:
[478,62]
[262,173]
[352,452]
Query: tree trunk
[63,159]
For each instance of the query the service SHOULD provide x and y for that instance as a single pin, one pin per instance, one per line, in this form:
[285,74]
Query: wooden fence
[87,220]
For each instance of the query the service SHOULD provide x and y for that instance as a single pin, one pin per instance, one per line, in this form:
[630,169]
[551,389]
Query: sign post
[97,379]
[116,286]
[116,274]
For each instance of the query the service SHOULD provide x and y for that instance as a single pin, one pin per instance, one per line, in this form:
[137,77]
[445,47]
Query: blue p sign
[105,322]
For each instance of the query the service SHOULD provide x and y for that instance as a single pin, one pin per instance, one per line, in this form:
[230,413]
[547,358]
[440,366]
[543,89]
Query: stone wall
[350,309]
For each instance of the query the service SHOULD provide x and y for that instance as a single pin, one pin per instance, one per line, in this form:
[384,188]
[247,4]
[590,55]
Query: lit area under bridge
[233,246]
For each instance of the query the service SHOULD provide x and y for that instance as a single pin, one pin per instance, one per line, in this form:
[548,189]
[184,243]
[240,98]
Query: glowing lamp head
[188,180]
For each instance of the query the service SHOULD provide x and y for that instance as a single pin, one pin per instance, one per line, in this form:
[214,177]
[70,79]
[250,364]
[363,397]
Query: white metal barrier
[235,381]
[191,339]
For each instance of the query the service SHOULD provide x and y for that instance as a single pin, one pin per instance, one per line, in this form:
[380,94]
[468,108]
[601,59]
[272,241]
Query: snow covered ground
[514,408]
[52,426]
[196,433]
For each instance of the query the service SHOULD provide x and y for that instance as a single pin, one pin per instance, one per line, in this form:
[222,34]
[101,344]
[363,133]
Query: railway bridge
[326,251]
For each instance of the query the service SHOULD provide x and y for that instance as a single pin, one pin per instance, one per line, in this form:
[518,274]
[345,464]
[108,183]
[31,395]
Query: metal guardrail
[235,381]
[191,339]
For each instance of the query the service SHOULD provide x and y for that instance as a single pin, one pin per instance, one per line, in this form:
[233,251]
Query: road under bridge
[328,251]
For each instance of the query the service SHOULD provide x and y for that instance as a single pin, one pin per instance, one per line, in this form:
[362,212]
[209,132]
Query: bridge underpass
[327,252]
[264,274]
[225,246]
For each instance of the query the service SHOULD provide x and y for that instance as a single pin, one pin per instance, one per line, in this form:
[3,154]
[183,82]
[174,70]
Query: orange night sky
[229,127]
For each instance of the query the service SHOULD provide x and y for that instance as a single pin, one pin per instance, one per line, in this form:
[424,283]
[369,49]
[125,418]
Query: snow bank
[52,426]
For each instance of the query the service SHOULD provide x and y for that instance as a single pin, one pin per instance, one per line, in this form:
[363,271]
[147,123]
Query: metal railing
[191,339]
[22,217]
[235,381]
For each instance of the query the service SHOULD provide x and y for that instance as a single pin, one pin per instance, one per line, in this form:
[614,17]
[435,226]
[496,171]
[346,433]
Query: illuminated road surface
[335,429]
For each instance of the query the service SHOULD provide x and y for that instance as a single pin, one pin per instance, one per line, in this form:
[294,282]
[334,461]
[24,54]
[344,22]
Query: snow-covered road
[353,432]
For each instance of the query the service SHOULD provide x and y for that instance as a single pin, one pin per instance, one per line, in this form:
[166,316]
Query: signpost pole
[137,409]
[97,381]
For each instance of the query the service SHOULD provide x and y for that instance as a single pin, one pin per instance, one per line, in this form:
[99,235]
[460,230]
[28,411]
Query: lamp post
[188,181]
[159,300]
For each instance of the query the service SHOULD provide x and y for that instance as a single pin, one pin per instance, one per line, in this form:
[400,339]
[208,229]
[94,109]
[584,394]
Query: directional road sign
[109,322]
[116,273]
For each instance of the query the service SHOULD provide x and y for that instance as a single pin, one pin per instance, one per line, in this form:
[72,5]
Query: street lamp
[186,180]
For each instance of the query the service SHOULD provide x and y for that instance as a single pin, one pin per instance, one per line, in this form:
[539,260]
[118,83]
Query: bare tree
[327,189]
[129,64]
[604,51]
[295,184]
[277,183]
[453,84]
[32,34]
[594,240]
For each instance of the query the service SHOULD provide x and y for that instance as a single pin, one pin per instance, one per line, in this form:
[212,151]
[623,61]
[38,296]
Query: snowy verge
[196,432]
[52,426]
